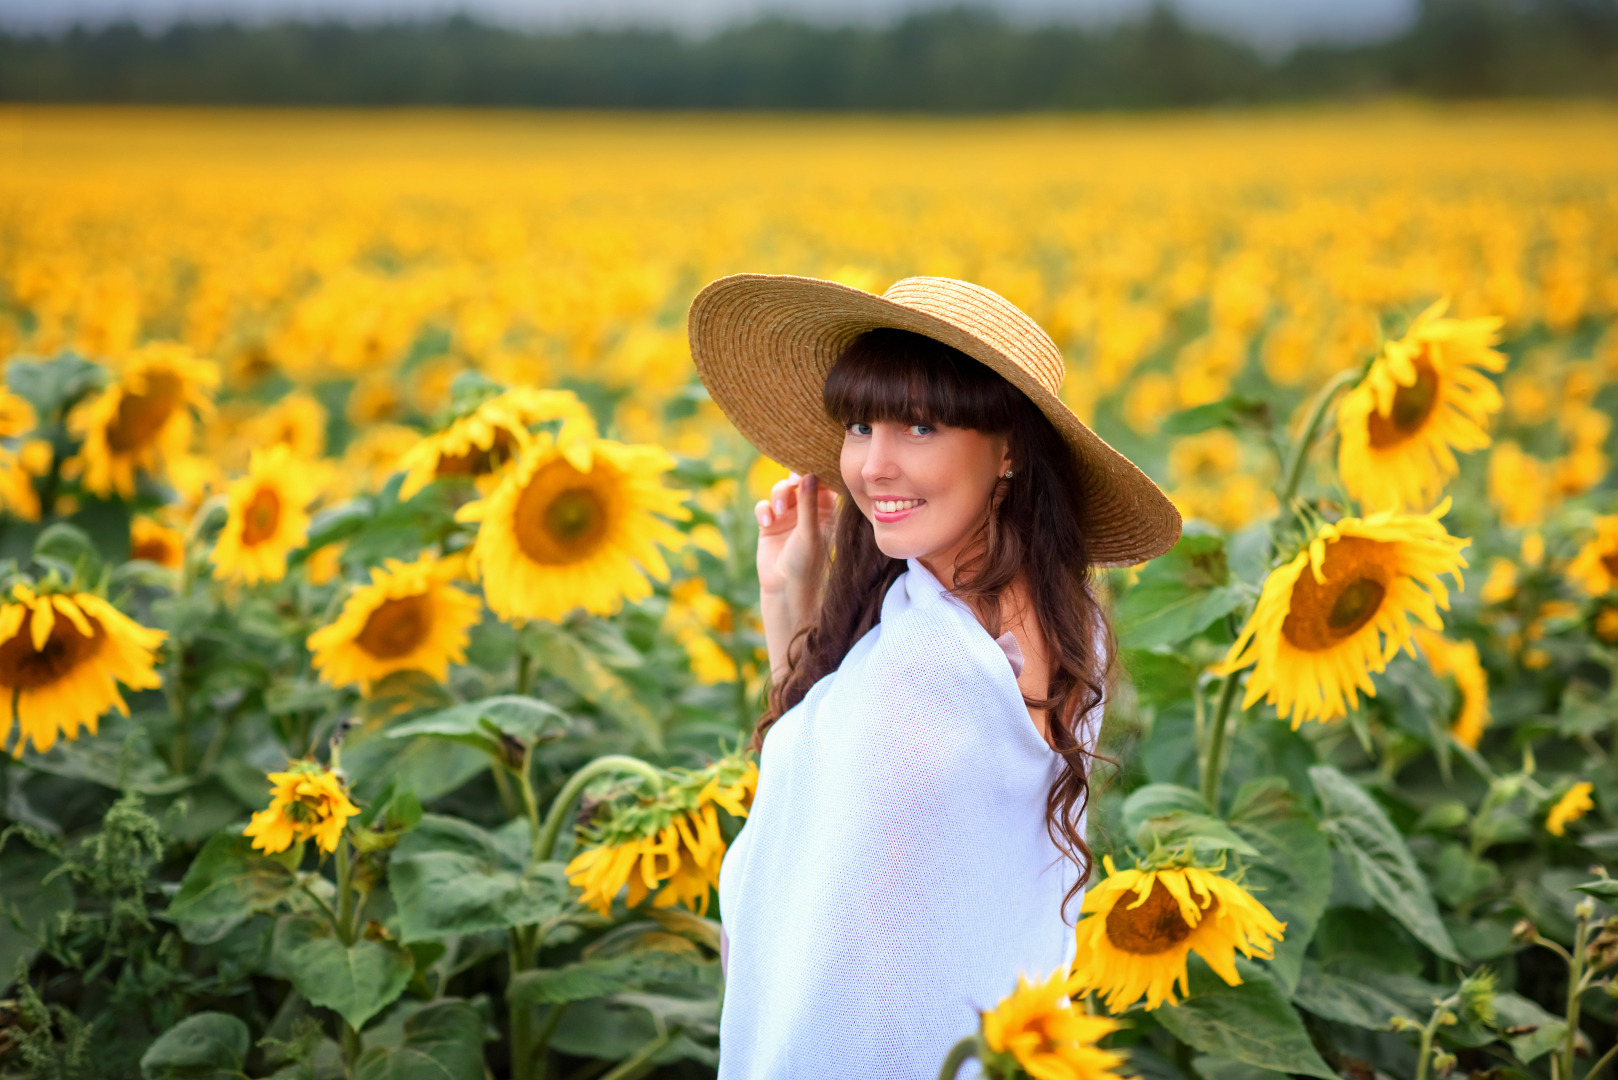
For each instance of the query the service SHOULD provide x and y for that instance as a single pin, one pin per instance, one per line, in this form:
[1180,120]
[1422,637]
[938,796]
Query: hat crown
[988,315]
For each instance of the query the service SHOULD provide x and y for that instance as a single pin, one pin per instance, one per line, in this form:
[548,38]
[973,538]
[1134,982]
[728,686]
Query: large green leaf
[450,877]
[1378,858]
[571,660]
[608,975]
[1354,998]
[226,883]
[429,767]
[1178,594]
[355,981]
[1292,874]
[1529,1029]
[1251,1023]
[207,1046]
[444,1041]
[26,897]
[480,724]
[1159,800]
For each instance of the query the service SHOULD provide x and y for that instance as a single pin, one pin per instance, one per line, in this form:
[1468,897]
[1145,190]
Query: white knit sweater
[894,874]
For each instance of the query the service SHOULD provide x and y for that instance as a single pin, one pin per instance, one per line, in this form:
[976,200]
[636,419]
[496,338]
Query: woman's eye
[859,429]
[921,429]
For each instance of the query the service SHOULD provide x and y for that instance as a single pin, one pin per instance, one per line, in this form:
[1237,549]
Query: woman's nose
[881,463]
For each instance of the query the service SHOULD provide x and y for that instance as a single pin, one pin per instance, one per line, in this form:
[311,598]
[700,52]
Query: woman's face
[924,489]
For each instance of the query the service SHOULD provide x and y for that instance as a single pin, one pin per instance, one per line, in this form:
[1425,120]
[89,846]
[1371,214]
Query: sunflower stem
[959,1055]
[1311,428]
[545,840]
[639,1063]
[521,1016]
[1213,768]
[1575,990]
[525,666]
[345,896]
[530,801]
[353,1047]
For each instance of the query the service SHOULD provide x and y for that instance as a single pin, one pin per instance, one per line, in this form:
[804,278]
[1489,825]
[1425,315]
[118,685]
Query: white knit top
[894,874]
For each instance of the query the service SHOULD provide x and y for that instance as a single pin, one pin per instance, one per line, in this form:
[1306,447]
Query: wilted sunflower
[1425,397]
[571,526]
[1574,804]
[670,842]
[1140,925]
[308,801]
[409,618]
[268,517]
[1342,609]
[156,543]
[1595,567]
[480,444]
[1459,660]
[62,657]
[142,419]
[1036,1030]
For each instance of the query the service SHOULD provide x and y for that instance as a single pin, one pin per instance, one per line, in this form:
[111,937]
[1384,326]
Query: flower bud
[1586,908]
[1524,932]
[1443,1062]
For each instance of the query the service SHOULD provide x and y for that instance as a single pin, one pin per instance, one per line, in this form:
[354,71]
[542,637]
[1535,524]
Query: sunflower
[155,542]
[1459,660]
[297,420]
[1425,397]
[62,657]
[308,801]
[409,618]
[267,517]
[1595,567]
[1142,924]
[1603,623]
[480,444]
[694,614]
[1574,804]
[670,843]
[1035,1029]
[17,494]
[1342,609]
[141,420]
[572,526]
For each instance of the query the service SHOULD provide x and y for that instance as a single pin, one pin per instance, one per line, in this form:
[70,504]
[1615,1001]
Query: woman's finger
[809,505]
[784,493]
[761,511]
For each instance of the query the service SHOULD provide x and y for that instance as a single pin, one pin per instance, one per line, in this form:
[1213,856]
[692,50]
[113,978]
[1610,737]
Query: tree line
[955,60]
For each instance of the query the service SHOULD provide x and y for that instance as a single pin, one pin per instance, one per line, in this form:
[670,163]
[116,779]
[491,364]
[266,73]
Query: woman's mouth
[888,511]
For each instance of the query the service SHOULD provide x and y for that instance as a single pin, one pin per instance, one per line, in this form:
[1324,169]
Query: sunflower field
[378,624]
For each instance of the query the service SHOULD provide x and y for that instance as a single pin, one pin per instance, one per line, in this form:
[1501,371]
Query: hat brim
[764,343]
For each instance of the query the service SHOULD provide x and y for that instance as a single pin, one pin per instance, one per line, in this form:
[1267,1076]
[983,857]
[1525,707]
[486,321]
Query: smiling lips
[891,510]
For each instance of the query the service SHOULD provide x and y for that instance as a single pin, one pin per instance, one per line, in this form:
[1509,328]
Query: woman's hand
[794,531]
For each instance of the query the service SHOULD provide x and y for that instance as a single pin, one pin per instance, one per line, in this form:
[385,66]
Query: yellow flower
[372,457]
[308,801]
[1573,805]
[17,494]
[62,657]
[673,845]
[1047,1037]
[268,517]
[571,526]
[1604,624]
[1425,397]
[1140,926]
[1459,661]
[1342,609]
[483,442]
[409,618]
[16,415]
[693,614]
[1520,485]
[143,419]
[1501,584]
[1595,567]
[297,421]
[156,543]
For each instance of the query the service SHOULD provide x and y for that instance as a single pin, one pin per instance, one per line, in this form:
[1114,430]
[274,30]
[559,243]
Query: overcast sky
[1272,23]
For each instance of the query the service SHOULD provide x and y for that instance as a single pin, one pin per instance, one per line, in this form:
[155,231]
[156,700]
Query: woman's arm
[792,544]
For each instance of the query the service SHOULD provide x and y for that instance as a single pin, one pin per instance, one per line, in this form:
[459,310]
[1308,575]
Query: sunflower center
[397,628]
[1356,583]
[1607,625]
[477,461]
[261,517]
[141,416]
[154,549]
[65,650]
[1154,927]
[1610,562]
[1412,405]
[560,518]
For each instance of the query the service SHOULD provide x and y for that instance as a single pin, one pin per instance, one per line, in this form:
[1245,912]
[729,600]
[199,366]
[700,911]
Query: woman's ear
[1005,456]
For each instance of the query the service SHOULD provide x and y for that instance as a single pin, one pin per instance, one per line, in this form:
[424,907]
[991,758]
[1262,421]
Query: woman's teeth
[893,506]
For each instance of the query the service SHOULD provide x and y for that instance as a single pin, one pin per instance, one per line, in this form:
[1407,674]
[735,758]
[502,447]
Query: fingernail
[780,506]
[766,519]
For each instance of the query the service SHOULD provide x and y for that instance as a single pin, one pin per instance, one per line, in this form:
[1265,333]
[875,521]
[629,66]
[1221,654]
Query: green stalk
[1605,1060]
[353,1047]
[542,1039]
[1575,986]
[530,802]
[1311,428]
[521,1016]
[545,840]
[1213,769]
[525,666]
[959,1055]
[345,896]
[640,1062]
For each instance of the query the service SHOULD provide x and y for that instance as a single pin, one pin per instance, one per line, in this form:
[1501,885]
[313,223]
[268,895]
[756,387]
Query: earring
[1007,474]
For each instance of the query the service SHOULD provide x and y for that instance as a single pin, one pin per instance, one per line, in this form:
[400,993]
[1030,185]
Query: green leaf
[450,877]
[1251,1023]
[427,766]
[1529,1029]
[207,1046]
[1292,875]
[1199,834]
[1378,858]
[355,981]
[1229,412]
[1336,995]
[567,658]
[1159,800]
[1213,1068]
[70,545]
[225,885]
[27,898]
[1178,594]
[480,724]
[50,384]
[608,975]
[1601,888]
[444,1041]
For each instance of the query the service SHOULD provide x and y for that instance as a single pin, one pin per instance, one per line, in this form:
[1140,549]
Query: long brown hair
[1034,529]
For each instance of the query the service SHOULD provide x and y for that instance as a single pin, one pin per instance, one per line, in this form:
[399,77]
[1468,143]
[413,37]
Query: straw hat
[764,343]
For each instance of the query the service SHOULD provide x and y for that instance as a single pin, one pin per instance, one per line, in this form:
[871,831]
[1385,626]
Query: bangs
[901,377]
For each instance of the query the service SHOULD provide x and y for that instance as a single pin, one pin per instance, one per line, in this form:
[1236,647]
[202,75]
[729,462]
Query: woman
[938,658]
